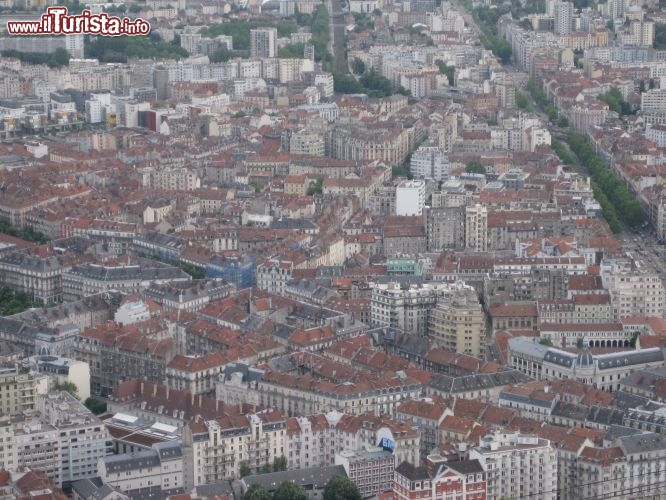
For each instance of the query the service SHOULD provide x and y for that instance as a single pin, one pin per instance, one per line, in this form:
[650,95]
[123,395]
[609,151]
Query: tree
[221,54]
[474,167]
[634,338]
[580,343]
[96,406]
[245,469]
[67,387]
[341,488]
[546,342]
[522,102]
[289,491]
[256,492]
[358,66]
[401,172]
[449,71]
[563,122]
[291,50]
[315,187]
[659,36]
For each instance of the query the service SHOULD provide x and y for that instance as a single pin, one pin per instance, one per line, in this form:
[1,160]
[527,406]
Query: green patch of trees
[362,22]
[239,30]
[341,488]
[55,60]
[497,45]
[607,186]
[487,19]
[449,71]
[321,33]
[12,302]
[561,152]
[546,342]
[256,492]
[121,48]
[67,387]
[371,83]
[290,491]
[315,187]
[96,406]
[291,50]
[357,66]
[221,54]
[474,167]
[375,84]
[537,94]
[616,102]
[522,102]
[401,172]
[25,234]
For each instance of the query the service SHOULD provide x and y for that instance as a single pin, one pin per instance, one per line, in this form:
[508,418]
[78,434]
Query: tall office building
[263,42]
[476,228]
[563,13]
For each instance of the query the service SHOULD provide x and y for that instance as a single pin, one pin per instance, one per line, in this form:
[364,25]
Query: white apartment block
[18,390]
[476,228]
[430,162]
[150,472]
[62,438]
[407,309]
[410,197]
[518,466]
[656,133]
[635,289]
[215,449]
[653,100]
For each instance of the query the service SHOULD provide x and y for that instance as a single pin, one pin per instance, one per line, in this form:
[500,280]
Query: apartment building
[303,395]
[89,279]
[39,277]
[273,275]
[196,374]
[430,162]
[410,198]
[216,449]
[117,354]
[263,42]
[580,309]
[635,289]
[459,479]
[188,295]
[370,469]
[457,323]
[154,472]
[406,309]
[517,465]
[476,228]
[426,415]
[19,389]
[61,437]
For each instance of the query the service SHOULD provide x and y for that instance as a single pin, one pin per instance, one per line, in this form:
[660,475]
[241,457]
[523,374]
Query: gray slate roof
[313,478]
